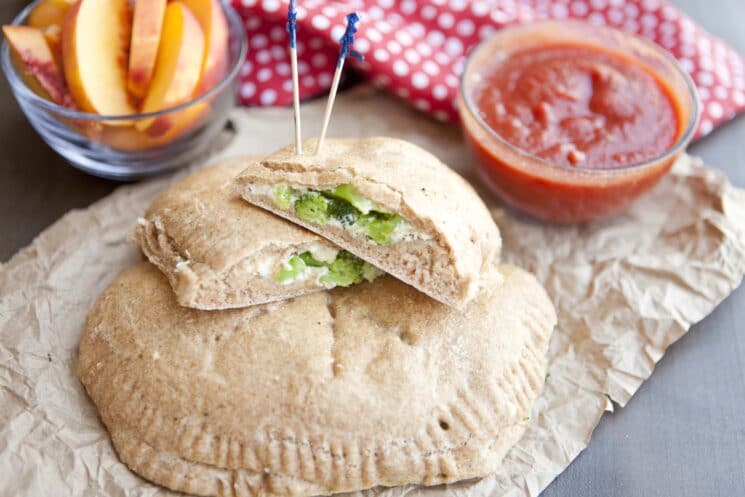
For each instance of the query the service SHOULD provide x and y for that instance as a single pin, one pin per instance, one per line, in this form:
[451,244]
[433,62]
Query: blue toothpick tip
[347,39]
[292,23]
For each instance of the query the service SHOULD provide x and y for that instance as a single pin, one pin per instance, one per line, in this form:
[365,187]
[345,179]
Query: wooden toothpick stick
[346,41]
[292,31]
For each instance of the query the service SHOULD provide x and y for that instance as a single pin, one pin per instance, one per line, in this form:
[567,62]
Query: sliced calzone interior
[220,252]
[387,201]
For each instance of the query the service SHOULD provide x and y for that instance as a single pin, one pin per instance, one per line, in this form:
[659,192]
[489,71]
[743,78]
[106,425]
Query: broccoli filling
[346,269]
[283,196]
[343,205]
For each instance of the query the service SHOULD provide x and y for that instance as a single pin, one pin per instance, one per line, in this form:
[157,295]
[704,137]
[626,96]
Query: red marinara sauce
[579,106]
[581,111]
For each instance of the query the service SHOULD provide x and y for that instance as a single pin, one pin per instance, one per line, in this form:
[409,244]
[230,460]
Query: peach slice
[35,61]
[95,42]
[129,139]
[49,12]
[37,65]
[53,35]
[146,29]
[178,66]
[212,19]
[167,128]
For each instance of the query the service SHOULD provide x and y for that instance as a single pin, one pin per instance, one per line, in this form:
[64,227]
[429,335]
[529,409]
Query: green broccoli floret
[295,265]
[348,193]
[379,226]
[311,261]
[283,196]
[312,207]
[343,211]
[345,270]
[344,204]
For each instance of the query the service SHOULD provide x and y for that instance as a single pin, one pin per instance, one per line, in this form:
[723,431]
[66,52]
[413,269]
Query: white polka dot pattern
[415,49]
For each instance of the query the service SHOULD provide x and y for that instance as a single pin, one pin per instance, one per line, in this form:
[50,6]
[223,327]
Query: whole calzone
[220,252]
[329,392]
[387,201]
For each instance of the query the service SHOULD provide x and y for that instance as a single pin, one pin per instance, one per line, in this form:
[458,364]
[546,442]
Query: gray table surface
[682,434]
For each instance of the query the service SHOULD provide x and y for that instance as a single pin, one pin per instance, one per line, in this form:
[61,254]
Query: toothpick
[346,41]
[292,31]
[329,105]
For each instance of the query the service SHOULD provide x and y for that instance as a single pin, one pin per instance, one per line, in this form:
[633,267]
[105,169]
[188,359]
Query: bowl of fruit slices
[124,89]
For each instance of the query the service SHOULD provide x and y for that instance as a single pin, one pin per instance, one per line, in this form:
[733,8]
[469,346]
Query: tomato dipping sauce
[570,130]
[579,106]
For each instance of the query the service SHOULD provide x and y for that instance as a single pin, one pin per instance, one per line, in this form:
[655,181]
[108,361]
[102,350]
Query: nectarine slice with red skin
[147,25]
[35,62]
[37,65]
[95,45]
[167,128]
[129,139]
[49,13]
[178,65]
[53,35]
[211,17]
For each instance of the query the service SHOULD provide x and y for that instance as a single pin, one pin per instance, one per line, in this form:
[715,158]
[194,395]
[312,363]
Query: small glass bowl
[110,146]
[555,192]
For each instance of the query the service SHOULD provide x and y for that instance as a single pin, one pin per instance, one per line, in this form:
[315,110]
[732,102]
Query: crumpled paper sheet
[625,289]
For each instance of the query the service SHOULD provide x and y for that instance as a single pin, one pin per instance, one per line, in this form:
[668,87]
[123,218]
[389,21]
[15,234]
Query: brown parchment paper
[624,289]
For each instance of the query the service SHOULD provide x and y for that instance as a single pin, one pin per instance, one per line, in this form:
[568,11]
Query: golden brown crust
[328,392]
[208,242]
[404,179]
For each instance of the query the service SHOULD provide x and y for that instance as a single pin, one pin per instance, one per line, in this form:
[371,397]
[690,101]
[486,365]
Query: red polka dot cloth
[416,49]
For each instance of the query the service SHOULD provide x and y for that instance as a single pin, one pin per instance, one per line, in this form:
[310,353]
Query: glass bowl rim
[235,26]
[684,138]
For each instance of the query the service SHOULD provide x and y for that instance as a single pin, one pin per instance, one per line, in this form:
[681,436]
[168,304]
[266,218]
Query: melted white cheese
[323,253]
[308,273]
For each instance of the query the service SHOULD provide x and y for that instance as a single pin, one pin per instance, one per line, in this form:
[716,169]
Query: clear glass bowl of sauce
[570,122]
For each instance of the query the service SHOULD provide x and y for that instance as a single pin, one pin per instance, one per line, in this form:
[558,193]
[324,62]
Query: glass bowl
[556,192]
[111,146]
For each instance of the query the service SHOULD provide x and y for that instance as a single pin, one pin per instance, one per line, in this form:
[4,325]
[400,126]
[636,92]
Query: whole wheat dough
[329,392]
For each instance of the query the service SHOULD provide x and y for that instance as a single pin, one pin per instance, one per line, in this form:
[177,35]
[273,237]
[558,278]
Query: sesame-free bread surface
[334,391]
[404,179]
[217,250]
